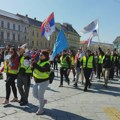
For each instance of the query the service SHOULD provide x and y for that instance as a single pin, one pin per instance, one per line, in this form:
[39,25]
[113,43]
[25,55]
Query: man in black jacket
[106,66]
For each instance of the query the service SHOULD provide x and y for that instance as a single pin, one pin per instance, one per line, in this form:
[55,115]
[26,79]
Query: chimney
[34,18]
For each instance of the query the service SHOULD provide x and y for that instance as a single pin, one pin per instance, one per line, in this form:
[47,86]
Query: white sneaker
[39,112]
[5,102]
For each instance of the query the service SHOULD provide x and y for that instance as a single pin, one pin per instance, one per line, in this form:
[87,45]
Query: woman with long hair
[11,69]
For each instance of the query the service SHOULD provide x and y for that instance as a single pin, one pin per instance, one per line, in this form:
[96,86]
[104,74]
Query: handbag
[51,76]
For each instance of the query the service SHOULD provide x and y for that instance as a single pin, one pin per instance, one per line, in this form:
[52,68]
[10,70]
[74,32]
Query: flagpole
[98,32]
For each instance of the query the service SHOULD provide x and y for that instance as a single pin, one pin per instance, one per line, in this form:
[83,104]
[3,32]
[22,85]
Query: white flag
[89,28]
[93,34]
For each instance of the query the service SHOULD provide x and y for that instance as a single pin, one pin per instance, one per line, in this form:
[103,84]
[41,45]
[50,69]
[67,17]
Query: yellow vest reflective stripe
[114,58]
[41,75]
[63,61]
[27,69]
[12,71]
[7,69]
[89,63]
[21,61]
[103,58]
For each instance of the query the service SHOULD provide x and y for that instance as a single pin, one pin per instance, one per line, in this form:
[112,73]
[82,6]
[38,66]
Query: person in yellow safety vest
[41,71]
[72,67]
[11,67]
[65,65]
[24,75]
[115,64]
[99,65]
[88,64]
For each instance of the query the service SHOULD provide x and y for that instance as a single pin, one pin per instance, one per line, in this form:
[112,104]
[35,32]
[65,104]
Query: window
[45,45]
[13,36]
[8,25]
[37,43]
[13,26]
[33,33]
[25,38]
[2,24]
[2,35]
[37,34]
[25,30]
[32,42]
[18,27]
[18,37]
[8,36]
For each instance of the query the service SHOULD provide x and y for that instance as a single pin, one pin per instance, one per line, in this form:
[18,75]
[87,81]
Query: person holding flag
[60,46]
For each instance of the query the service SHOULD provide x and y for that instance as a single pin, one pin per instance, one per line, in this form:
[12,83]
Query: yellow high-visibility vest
[100,59]
[72,61]
[89,63]
[41,75]
[27,68]
[7,69]
[63,61]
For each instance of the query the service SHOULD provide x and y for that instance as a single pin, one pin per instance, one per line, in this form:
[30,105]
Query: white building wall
[12,19]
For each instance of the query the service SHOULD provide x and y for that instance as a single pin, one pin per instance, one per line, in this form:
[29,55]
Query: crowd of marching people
[22,64]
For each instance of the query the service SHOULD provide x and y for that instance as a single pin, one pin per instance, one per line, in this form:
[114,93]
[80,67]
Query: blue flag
[60,45]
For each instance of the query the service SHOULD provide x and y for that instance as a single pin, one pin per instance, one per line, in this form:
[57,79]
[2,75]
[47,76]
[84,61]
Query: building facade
[18,29]
[116,43]
[13,29]
[72,36]
[95,45]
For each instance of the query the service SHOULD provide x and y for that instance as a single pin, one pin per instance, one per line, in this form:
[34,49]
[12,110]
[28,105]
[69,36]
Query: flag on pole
[60,45]
[48,26]
[93,34]
[90,27]
[89,40]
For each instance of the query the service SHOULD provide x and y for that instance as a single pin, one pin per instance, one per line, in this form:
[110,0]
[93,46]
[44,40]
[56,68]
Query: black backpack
[51,76]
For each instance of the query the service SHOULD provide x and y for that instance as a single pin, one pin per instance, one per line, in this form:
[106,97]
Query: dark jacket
[107,63]
[101,52]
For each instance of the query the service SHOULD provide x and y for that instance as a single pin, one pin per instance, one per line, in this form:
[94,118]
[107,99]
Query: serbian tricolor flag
[48,26]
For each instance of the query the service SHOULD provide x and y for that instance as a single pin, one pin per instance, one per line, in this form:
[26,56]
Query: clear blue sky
[79,13]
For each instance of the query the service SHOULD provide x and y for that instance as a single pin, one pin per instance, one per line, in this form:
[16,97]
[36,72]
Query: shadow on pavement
[72,87]
[30,108]
[52,90]
[62,115]
[110,90]
[55,114]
